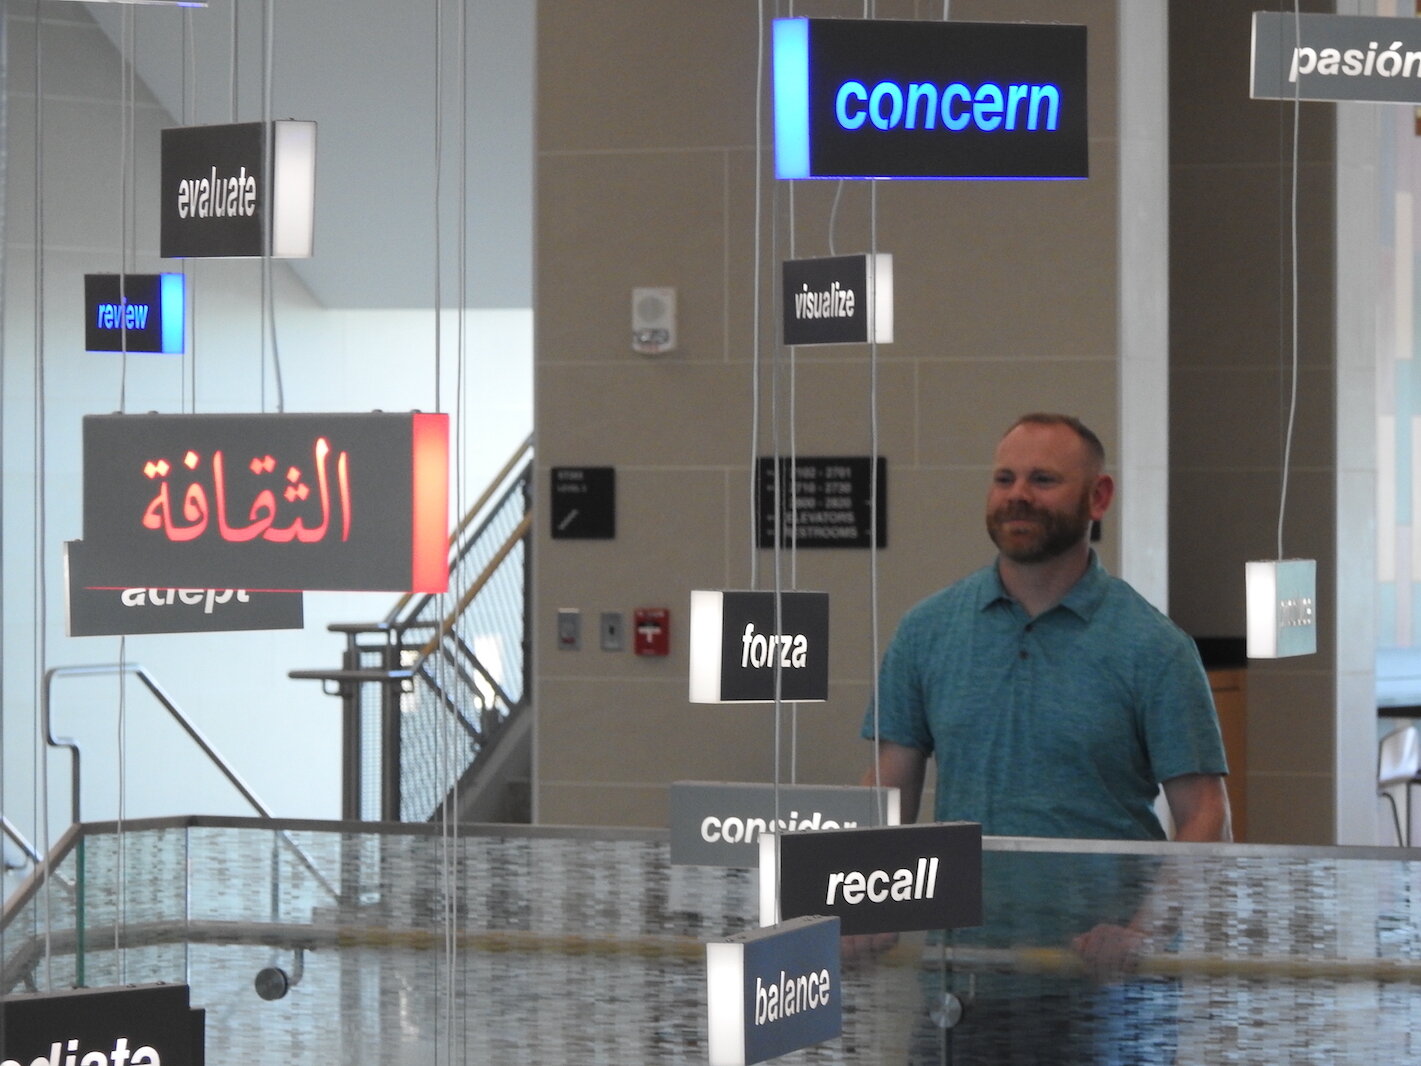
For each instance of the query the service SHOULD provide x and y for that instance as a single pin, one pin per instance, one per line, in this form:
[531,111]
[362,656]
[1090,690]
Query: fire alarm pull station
[653,625]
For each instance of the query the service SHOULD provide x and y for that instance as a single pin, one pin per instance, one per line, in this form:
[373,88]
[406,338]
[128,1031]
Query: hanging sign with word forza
[1335,57]
[268,502]
[824,502]
[745,646]
[146,1025]
[110,612]
[772,991]
[860,98]
[876,880]
[718,823]
[843,299]
[133,313]
[217,198]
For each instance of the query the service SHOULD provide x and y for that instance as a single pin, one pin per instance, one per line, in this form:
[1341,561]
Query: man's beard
[1057,532]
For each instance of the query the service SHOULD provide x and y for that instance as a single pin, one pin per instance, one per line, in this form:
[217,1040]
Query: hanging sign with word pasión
[867,98]
[754,647]
[1335,57]
[133,313]
[145,1025]
[240,190]
[293,502]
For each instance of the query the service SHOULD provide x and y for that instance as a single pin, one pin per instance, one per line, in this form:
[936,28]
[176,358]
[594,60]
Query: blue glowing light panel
[860,98]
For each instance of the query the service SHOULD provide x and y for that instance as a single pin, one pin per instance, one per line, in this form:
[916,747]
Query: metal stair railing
[427,691]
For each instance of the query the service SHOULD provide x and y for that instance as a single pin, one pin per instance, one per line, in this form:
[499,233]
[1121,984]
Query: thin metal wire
[1293,235]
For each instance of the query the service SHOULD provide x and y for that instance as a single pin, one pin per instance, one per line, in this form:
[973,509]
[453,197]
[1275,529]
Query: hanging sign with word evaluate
[892,880]
[108,612]
[133,313]
[752,647]
[824,502]
[240,190]
[772,991]
[267,502]
[842,299]
[1335,57]
[864,98]
[719,823]
[145,1025]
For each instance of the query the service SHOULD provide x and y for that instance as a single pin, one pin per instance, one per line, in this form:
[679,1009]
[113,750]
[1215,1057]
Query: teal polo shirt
[1063,725]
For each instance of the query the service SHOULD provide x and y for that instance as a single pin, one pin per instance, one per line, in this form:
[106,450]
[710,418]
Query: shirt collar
[1082,600]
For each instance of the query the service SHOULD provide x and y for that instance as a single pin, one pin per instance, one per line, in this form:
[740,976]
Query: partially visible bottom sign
[149,1025]
[772,991]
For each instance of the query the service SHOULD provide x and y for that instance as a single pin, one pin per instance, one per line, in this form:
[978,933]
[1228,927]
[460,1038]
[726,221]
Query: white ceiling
[365,71]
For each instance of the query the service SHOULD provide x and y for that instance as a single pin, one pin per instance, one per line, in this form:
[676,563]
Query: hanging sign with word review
[719,823]
[892,880]
[749,647]
[1335,57]
[133,313]
[146,1025]
[772,991]
[843,299]
[241,190]
[824,502]
[267,502]
[864,98]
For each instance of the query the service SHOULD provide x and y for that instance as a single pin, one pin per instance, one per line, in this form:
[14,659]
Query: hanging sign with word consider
[719,823]
[772,991]
[268,502]
[842,299]
[133,313]
[217,199]
[147,1025]
[1335,57]
[857,98]
[742,648]
[876,880]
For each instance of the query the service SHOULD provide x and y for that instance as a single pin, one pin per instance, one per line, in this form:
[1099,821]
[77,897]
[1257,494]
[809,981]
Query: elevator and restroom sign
[890,880]
[1335,57]
[584,503]
[824,502]
[133,313]
[750,647]
[719,823]
[226,189]
[843,299]
[857,98]
[146,1025]
[268,502]
[772,991]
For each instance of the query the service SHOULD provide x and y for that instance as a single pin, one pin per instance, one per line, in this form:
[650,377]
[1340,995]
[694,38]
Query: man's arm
[1199,805]
[903,768]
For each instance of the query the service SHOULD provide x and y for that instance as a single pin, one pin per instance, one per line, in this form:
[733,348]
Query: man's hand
[1109,952]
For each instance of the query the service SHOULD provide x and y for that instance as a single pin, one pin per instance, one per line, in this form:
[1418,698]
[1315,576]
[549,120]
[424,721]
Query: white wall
[282,736]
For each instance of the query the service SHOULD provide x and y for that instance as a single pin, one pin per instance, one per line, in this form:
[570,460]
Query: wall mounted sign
[146,1025]
[719,823]
[825,504]
[110,612]
[584,503]
[843,299]
[861,98]
[772,991]
[742,648]
[268,502]
[217,200]
[876,880]
[1335,57]
[133,312]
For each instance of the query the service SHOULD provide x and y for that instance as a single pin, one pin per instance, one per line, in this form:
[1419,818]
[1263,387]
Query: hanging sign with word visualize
[754,647]
[866,98]
[133,313]
[843,299]
[145,1025]
[1335,57]
[241,190]
[267,502]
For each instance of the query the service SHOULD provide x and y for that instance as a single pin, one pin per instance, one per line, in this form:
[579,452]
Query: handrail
[476,586]
[12,831]
[100,669]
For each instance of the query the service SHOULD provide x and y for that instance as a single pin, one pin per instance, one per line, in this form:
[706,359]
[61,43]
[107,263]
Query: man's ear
[1101,493]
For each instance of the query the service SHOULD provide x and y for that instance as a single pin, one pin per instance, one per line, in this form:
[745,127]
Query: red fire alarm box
[653,631]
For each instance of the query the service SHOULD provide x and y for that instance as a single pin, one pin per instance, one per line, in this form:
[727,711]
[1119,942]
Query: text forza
[759,650]
[790,996]
[232,196]
[69,1055]
[835,302]
[879,886]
